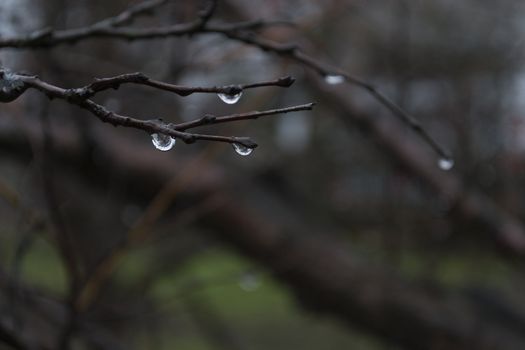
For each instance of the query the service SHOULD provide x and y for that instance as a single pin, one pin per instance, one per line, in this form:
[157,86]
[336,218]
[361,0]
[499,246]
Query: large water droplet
[446,164]
[230,98]
[334,79]
[162,142]
[242,149]
[249,282]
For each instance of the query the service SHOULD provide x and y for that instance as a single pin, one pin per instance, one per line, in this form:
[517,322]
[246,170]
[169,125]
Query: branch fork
[13,85]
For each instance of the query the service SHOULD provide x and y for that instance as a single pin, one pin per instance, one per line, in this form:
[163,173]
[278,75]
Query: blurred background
[340,231]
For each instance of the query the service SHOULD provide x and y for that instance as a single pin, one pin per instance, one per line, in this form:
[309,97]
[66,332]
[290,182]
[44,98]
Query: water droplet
[162,142]
[249,282]
[242,149]
[334,79]
[230,98]
[446,164]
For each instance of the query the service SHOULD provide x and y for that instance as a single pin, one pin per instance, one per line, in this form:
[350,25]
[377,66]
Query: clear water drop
[249,282]
[446,164]
[230,98]
[334,79]
[242,149]
[162,142]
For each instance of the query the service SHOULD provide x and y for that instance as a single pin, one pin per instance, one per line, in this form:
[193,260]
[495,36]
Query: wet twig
[19,83]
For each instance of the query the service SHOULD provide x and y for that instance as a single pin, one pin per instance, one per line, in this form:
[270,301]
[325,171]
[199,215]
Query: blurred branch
[327,278]
[206,14]
[36,305]
[108,28]
[18,83]
[472,206]
[129,15]
[163,199]
[63,236]
[293,52]
[111,28]
[242,32]
[322,272]
[253,25]
[9,336]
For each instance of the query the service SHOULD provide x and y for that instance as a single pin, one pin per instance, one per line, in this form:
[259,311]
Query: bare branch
[139,78]
[236,31]
[80,97]
[48,37]
[211,119]
[256,24]
[294,52]
[127,16]
[112,28]
[206,14]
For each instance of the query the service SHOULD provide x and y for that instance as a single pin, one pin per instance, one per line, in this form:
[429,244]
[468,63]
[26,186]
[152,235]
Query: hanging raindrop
[230,98]
[162,142]
[445,164]
[242,149]
[334,79]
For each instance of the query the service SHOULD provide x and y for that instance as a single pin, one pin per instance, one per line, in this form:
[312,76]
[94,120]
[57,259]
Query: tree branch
[322,272]
[103,84]
[110,28]
[211,119]
[241,31]
[80,97]
[293,52]
[130,14]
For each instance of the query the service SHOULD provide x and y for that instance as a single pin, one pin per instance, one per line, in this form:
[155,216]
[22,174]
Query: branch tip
[286,81]
[245,141]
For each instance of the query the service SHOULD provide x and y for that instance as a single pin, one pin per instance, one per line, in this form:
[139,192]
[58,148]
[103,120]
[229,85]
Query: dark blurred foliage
[171,276]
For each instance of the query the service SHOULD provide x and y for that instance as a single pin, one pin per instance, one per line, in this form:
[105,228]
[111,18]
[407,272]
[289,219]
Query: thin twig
[141,230]
[210,119]
[241,31]
[112,28]
[103,84]
[130,14]
[295,53]
[80,97]
[206,14]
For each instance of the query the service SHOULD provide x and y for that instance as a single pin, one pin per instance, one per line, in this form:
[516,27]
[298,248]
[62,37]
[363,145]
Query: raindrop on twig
[242,149]
[334,79]
[230,98]
[446,164]
[162,142]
